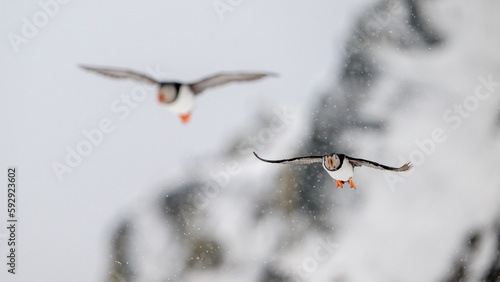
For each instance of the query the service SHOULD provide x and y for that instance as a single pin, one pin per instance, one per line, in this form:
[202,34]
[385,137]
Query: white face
[167,93]
[331,162]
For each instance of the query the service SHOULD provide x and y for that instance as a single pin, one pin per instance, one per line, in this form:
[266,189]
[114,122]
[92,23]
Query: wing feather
[122,74]
[362,162]
[300,160]
[224,78]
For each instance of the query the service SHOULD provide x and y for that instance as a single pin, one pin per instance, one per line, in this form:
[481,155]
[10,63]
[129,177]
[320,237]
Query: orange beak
[330,164]
[160,97]
[185,117]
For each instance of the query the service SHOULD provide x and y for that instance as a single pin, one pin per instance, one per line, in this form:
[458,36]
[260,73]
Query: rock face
[396,23]
[418,82]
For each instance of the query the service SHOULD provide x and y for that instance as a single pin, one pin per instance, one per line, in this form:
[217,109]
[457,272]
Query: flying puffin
[339,166]
[179,97]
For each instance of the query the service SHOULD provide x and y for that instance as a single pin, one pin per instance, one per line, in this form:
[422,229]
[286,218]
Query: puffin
[177,96]
[339,166]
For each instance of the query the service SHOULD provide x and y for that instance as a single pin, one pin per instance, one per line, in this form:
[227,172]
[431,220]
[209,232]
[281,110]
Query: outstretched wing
[223,78]
[361,162]
[122,73]
[300,160]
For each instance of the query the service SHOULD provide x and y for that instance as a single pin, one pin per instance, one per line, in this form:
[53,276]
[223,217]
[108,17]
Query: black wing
[122,73]
[223,78]
[361,162]
[300,160]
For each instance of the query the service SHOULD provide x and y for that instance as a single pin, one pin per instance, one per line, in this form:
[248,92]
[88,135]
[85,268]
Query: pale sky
[47,102]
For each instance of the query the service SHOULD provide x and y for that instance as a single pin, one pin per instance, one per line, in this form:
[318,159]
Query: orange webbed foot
[340,184]
[185,117]
[352,184]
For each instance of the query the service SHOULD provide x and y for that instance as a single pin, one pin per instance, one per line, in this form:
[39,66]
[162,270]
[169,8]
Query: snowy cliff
[419,82]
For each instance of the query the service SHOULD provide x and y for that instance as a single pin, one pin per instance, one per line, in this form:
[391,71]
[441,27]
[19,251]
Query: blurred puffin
[339,166]
[179,97]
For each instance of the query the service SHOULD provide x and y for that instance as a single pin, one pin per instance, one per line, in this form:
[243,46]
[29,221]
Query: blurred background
[156,200]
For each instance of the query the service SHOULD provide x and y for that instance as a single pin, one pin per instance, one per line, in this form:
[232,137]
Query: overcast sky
[47,102]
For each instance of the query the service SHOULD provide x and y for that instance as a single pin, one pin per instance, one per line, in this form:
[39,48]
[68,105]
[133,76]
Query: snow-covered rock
[419,82]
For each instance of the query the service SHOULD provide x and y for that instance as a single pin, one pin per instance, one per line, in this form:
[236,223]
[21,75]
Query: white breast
[345,172]
[184,102]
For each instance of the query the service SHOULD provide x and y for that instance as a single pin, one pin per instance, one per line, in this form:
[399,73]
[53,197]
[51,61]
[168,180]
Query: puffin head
[332,162]
[167,92]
